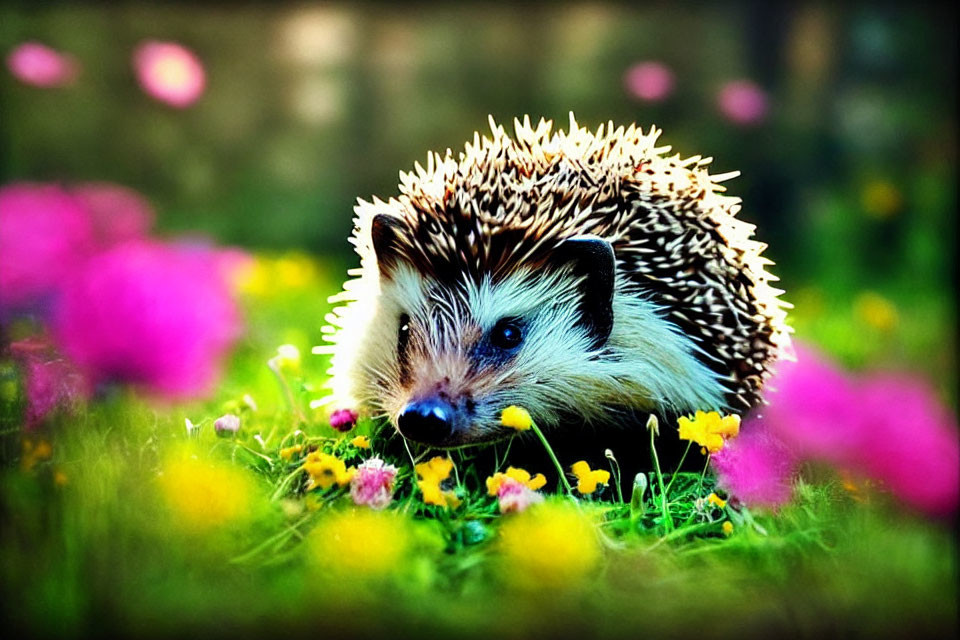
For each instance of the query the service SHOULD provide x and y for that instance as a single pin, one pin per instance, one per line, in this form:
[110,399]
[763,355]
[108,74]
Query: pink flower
[169,72]
[227,424]
[45,234]
[887,427]
[117,213]
[910,443]
[813,406]
[50,382]
[513,496]
[742,102]
[148,313]
[649,81]
[38,65]
[343,419]
[372,484]
[756,467]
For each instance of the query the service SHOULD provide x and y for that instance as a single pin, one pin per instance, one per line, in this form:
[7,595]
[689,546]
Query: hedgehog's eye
[506,334]
[403,333]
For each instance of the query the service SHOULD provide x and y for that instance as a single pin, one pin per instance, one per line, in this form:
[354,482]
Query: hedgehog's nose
[429,421]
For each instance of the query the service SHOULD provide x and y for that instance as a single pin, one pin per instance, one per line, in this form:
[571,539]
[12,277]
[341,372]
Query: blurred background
[841,119]
[176,191]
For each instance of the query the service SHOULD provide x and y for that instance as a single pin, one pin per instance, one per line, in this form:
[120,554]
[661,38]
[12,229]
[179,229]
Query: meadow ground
[141,518]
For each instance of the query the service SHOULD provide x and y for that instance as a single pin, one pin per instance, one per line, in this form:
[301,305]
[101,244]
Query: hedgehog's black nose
[429,421]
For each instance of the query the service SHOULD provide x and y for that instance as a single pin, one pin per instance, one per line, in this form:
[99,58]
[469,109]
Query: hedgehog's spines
[505,203]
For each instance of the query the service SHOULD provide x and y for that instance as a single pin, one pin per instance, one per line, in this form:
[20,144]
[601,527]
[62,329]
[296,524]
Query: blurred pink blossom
[888,427]
[649,81]
[45,234]
[152,314]
[372,484]
[50,382]
[38,65]
[911,442]
[117,213]
[343,419]
[756,466]
[743,102]
[813,406]
[169,72]
[513,496]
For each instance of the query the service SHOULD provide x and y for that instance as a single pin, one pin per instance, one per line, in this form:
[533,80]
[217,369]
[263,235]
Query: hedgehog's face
[444,358]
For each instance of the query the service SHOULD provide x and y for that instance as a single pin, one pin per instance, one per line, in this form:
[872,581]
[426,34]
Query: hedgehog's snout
[429,421]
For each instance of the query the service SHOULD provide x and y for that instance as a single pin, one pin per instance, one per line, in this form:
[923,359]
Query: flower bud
[227,424]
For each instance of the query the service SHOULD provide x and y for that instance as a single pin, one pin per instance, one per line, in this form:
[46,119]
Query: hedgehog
[585,276]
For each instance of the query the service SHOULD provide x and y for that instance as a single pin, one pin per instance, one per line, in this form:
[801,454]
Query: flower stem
[667,522]
[278,539]
[679,464]
[282,487]
[553,457]
[703,474]
[274,366]
[615,471]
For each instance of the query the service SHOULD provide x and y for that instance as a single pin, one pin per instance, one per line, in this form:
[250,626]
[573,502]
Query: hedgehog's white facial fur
[645,363]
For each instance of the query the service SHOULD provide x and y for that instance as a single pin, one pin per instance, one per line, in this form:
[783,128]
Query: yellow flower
[34,453]
[516,418]
[326,470]
[361,442]
[587,478]
[287,453]
[709,429]
[252,278]
[204,494]
[359,543]
[295,270]
[264,276]
[435,469]
[429,476]
[854,486]
[881,199]
[550,545]
[714,499]
[727,527]
[876,311]
[522,476]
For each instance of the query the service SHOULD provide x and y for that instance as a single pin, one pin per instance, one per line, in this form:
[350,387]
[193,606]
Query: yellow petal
[580,469]
[713,442]
[494,483]
[714,499]
[730,426]
[516,418]
[600,475]
[520,475]
[537,482]
[587,485]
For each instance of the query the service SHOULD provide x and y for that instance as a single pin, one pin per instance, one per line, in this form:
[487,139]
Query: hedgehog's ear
[592,257]
[385,233]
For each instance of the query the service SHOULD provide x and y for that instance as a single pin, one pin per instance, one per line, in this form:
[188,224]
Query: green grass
[110,551]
